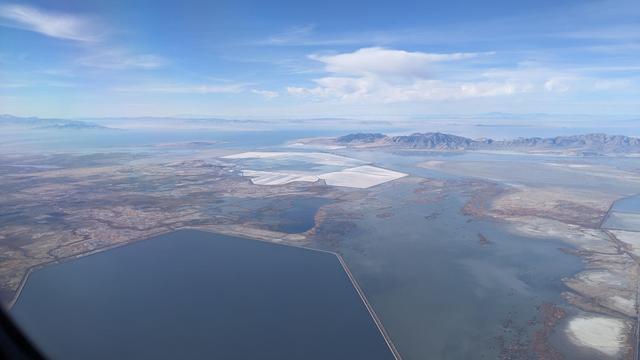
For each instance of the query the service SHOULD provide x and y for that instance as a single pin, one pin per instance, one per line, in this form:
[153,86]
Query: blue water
[110,139]
[624,215]
[88,140]
[630,204]
[619,220]
[196,295]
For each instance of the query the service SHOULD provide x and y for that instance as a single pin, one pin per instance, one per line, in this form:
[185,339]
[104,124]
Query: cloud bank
[388,76]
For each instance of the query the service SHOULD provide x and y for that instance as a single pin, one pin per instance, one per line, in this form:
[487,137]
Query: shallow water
[624,215]
[110,139]
[619,220]
[192,294]
[440,292]
[299,216]
[630,204]
[531,170]
[286,214]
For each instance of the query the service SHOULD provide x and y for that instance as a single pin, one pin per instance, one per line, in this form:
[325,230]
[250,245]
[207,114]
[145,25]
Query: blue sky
[322,58]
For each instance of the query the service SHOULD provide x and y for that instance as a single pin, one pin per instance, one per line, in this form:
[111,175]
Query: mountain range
[583,144]
[15,122]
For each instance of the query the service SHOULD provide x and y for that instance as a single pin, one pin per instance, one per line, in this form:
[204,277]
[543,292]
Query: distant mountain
[437,141]
[583,144]
[589,142]
[16,122]
[361,138]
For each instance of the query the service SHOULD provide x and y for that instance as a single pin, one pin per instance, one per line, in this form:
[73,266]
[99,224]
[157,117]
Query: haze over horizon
[285,59]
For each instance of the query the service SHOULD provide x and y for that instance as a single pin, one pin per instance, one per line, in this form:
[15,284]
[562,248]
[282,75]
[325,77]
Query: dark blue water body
[197,295]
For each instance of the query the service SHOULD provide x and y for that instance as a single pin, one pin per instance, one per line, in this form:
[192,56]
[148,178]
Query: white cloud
[57,25]
[378,75]
[179,88]
[557,84]
[386,62]
[386,75]
[119,60]
[79,28]
[266,93]
[360,89]
[183,88]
